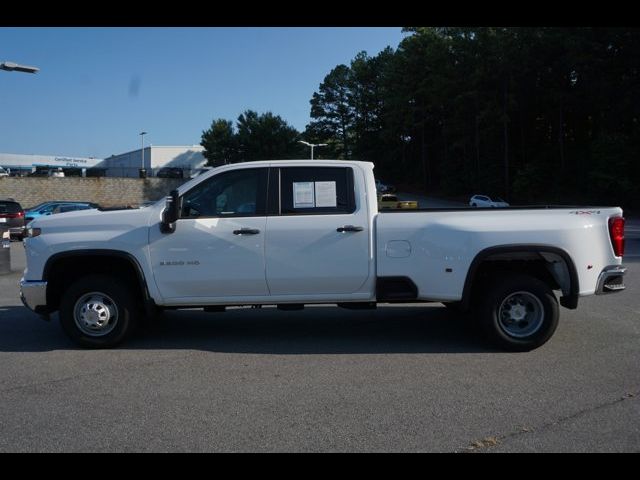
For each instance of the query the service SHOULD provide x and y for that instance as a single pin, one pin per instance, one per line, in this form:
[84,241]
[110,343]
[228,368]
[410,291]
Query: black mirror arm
[171,213]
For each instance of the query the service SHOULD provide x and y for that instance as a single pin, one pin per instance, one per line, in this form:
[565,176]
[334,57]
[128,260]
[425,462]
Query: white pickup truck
[290,233]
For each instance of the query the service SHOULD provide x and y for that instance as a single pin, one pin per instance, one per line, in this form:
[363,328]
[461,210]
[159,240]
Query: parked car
[47,208]
[170,172]
[485,201]
[382,187]
[12,218]
[3,172]
[389,200]
[39,173]
[47,172]
[70,207]
[200,171]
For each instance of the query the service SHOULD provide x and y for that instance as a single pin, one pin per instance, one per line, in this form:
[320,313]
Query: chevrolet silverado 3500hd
[290,233]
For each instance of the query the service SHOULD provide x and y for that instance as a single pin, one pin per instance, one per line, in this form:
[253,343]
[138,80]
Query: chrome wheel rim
[95,314]
[521,314]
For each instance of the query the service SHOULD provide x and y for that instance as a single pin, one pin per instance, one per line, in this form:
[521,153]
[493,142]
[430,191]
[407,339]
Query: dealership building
[25,164]
[151,158]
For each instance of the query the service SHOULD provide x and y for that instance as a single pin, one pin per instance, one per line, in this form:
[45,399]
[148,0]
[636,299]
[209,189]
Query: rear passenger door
[317,239]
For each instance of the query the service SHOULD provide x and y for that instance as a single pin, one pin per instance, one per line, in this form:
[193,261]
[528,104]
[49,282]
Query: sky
[98,88]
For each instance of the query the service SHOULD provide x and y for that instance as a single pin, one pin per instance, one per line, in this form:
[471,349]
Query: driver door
[217,248]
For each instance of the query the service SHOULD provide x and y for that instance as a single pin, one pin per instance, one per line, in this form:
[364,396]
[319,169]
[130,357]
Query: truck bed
[435,249]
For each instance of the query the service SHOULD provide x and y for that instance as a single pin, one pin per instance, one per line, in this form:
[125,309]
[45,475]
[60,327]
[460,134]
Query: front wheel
[98,311]
[519,312]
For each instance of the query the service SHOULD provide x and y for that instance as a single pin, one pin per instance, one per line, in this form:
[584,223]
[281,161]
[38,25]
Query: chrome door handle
[349,228]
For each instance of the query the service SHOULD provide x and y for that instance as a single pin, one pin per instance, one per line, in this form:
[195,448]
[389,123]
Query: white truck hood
[122,230]
[92,219]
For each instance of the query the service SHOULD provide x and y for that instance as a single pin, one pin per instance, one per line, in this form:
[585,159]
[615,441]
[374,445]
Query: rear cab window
[316,190]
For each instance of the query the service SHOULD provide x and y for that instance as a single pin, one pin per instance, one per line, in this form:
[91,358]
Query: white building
[186,158]
[24,164]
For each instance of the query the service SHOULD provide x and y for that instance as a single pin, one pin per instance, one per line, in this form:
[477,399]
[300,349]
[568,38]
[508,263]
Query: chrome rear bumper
[611,280]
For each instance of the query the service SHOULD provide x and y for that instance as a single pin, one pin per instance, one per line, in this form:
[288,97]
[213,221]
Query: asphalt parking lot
[400,378]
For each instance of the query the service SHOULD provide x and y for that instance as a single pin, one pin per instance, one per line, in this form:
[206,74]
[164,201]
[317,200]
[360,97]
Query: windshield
[40,205]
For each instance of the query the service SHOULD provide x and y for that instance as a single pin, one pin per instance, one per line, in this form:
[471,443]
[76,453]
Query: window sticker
[303,195]
[326,194]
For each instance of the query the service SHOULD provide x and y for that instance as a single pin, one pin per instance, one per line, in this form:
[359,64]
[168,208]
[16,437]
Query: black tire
[518,312]
[98,299]
[474,205]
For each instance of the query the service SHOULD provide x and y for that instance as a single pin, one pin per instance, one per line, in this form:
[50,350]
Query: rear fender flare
[569,298]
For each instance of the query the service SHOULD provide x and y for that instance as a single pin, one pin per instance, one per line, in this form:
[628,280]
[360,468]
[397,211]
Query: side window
[238,193]
[314,190]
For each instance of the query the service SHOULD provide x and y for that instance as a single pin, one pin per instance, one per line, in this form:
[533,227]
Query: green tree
[220,143]
[332,112]
[368,99]
[266,137]
[255,137]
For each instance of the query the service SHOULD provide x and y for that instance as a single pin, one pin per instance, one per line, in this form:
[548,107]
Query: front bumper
[14,227]
[34,295]
[611,280]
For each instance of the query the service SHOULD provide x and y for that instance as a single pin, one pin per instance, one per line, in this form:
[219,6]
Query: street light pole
[312,145]
[142,134]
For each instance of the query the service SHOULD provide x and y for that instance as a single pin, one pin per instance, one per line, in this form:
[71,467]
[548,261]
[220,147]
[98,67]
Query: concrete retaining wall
[106,191]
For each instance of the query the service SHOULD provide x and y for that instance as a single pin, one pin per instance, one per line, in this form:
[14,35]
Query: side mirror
[171,213]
